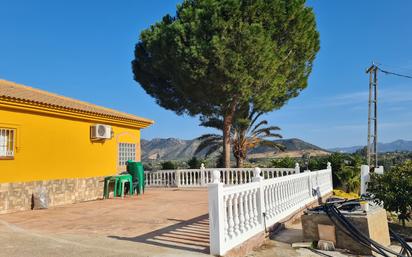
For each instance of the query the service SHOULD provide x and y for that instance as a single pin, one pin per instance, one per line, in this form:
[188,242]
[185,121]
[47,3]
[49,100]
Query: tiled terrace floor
[164,222]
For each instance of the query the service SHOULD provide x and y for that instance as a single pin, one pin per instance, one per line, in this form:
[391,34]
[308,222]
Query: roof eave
[73,113]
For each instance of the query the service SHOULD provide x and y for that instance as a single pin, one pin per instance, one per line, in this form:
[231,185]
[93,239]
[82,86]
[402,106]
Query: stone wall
[18,196]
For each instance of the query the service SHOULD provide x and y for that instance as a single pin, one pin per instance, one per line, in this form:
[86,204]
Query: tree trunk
[227,124]
[239,162]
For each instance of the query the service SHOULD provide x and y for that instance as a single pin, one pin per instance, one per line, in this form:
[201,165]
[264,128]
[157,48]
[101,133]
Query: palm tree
[246,133]
[349,175]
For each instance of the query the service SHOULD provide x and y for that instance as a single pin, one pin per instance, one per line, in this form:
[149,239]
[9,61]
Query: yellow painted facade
[56,144]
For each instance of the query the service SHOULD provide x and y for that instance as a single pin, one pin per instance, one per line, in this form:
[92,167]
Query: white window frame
[126,151]
[7,143]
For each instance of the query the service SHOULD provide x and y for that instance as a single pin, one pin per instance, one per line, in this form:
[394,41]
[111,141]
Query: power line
[393,73]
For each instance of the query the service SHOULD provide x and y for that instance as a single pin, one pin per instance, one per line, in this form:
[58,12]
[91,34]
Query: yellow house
[61,144]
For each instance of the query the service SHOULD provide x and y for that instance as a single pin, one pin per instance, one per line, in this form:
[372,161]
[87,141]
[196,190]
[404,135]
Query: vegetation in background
[349,174]
[393,189]
[216,55]
[286,162]
[168,165]
[246,133]
[194,163]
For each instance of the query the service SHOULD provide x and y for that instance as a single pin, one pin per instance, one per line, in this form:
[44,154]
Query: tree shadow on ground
[189,235]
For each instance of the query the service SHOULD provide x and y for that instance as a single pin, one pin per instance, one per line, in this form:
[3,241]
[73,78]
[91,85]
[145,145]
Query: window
[126,152]
[7,143]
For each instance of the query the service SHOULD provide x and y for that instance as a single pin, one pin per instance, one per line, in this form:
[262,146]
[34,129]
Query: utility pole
[373,117]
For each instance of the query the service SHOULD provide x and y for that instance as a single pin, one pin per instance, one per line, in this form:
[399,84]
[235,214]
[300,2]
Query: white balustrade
[163,178]
[237,212]
[201,177]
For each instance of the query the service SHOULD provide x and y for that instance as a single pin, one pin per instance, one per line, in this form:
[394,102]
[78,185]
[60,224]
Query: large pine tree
[215,55]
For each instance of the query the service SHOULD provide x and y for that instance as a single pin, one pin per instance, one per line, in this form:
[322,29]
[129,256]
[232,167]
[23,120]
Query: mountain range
[179,149]
[398,145]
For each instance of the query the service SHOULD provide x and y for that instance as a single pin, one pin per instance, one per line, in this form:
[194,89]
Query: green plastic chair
[107,181]
[122,180]
[136,170]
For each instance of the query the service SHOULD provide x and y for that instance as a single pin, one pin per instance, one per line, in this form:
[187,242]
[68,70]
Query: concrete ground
[164,222]
[281,245]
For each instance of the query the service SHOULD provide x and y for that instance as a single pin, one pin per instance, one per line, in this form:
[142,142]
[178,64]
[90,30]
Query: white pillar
[260,201]
[364,178]
[297,168]
[177,174]
[329,166]
[202,175]
[216,215]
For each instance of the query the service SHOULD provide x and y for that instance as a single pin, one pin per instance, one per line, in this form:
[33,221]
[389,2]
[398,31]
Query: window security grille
[126,152]
[7,142]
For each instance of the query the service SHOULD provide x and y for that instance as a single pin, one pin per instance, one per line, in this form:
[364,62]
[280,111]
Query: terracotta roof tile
[11,90]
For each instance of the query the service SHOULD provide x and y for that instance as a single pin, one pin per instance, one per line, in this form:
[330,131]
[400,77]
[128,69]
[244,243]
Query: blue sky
[83,49]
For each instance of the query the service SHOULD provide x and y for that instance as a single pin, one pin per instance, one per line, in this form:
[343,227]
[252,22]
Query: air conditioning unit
[99,131]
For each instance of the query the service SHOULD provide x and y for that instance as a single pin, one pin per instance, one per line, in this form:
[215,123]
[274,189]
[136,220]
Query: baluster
[255,212]
[266,200]
[281,197]
[285,196]
[236,213]
[293,195]
[276,199]
[251,211]
[272,203]
[241,213]
[230,217]
[247,210]
[225,217]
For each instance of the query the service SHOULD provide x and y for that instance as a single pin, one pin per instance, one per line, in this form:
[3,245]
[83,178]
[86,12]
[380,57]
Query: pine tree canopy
[214,54]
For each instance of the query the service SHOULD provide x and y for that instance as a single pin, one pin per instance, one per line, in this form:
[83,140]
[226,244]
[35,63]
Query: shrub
[393,189]
[168,165]
[194,163]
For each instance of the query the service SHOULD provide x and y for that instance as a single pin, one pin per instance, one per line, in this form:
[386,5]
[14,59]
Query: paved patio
[163,222]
